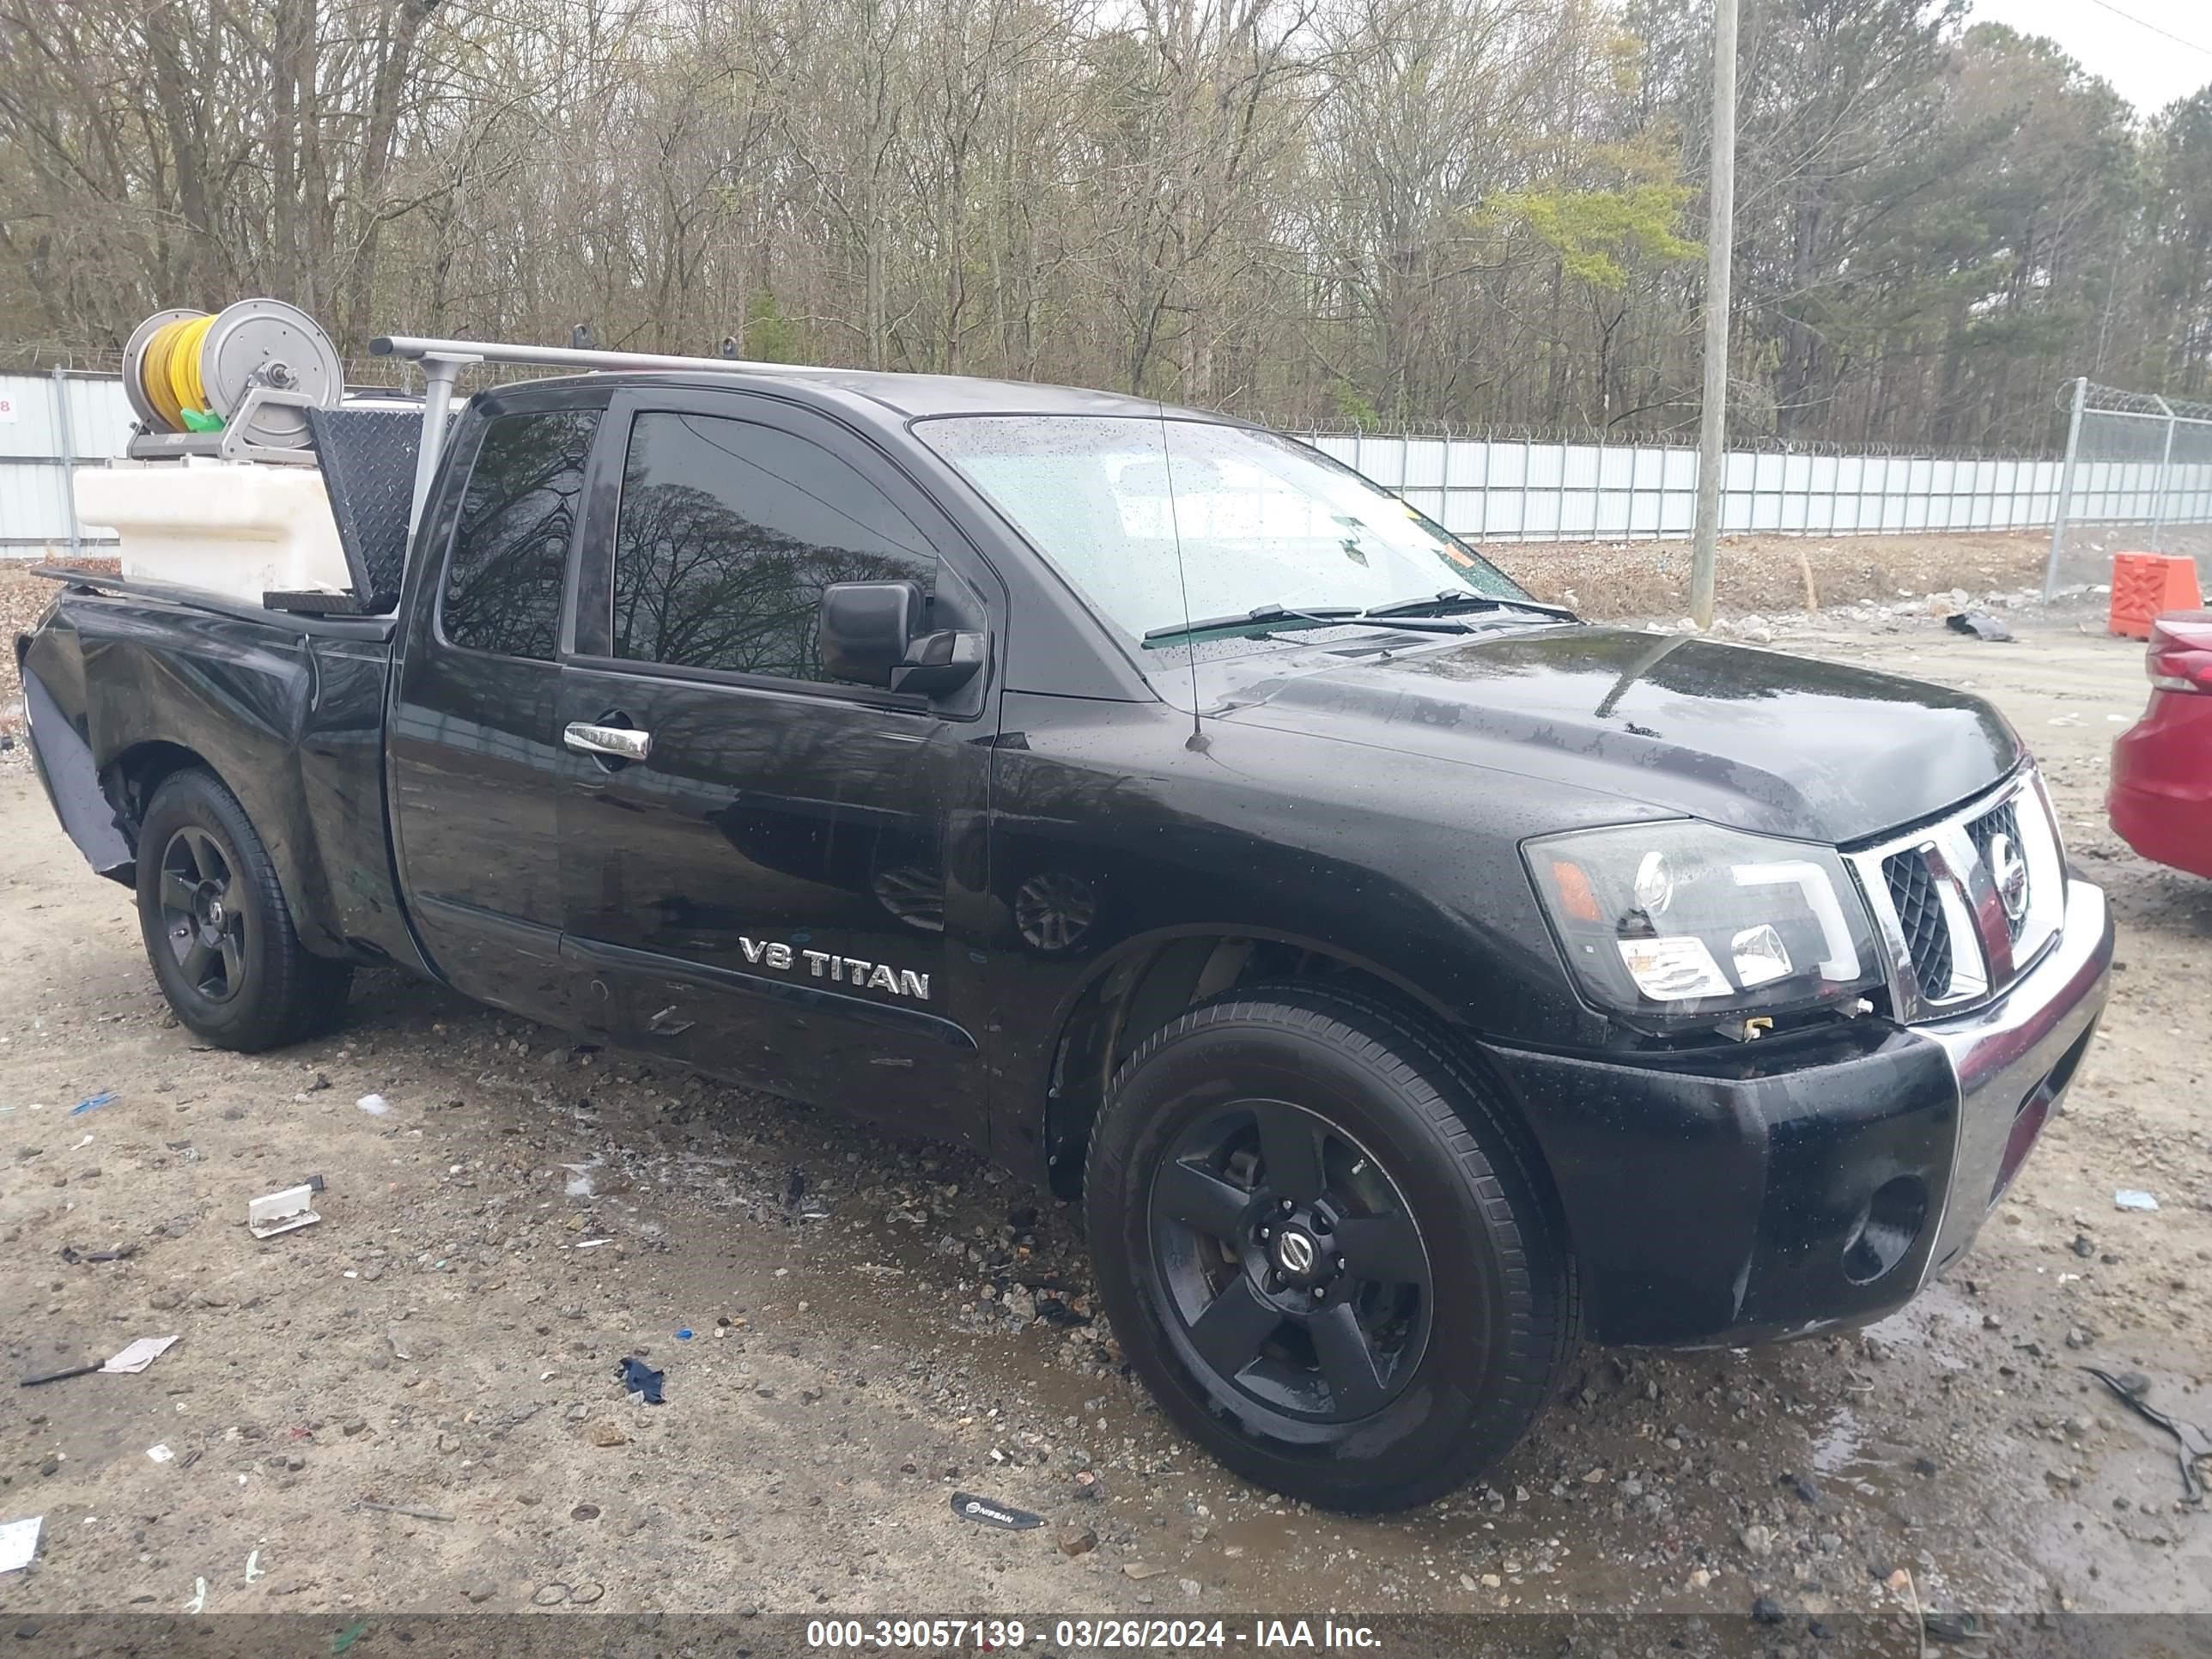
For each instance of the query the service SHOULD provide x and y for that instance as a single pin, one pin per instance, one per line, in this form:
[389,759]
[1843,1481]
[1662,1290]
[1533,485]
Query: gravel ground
[853,1329]
[1773,574]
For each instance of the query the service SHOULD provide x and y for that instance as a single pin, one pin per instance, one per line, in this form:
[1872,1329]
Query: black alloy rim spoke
[1292,1268]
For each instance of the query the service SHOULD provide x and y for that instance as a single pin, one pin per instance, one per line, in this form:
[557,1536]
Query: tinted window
[728,533]
[511,549]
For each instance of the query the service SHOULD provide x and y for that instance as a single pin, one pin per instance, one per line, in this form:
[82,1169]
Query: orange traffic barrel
[2147,585]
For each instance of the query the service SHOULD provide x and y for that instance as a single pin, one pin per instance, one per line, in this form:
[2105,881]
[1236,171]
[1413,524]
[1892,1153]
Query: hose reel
[189,371]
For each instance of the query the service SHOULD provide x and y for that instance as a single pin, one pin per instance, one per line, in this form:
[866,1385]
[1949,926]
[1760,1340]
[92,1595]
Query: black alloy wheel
[203,913]
[1326,1248]
[218,927]
[1289,1263]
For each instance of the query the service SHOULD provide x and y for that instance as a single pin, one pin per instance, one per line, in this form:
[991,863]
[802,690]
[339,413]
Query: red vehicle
[2162,796]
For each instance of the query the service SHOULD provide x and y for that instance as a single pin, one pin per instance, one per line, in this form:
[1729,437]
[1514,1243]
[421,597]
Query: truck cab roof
[910,396]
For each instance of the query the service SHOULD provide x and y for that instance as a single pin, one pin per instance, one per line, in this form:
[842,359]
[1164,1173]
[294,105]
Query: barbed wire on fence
[2114,400]
[1617,438]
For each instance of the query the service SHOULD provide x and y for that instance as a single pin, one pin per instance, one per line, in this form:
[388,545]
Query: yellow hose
[154,372]
[184,364]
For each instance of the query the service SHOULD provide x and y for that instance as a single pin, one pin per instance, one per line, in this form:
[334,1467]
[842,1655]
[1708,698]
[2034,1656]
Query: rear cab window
[505,575]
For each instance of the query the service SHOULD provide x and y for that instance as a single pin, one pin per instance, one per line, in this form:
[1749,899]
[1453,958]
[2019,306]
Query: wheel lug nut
[1287,1207]
[1266,1232]
[1340,1264]
[1321,1293]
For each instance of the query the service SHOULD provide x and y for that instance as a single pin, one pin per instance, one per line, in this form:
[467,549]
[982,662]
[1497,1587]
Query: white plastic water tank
[238,528]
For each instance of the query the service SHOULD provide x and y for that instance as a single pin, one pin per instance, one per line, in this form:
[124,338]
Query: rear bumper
[1784,1188]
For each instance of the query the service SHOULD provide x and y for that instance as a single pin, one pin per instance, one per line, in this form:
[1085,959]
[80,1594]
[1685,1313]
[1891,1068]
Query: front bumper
[1795,1185]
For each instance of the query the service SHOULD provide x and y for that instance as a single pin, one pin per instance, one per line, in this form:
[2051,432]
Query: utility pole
[1720,242]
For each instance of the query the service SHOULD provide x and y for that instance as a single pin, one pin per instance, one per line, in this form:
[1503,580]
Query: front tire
[217,929]
[1324,1250]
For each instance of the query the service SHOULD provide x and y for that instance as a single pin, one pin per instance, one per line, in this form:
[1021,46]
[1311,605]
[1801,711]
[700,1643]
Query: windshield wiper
[1275,618]
[1454,599]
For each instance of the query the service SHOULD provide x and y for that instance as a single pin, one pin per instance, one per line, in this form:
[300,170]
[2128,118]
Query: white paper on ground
[18,1542]
[139,1355]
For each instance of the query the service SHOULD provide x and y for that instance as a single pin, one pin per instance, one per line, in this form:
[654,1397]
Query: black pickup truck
[1410,980]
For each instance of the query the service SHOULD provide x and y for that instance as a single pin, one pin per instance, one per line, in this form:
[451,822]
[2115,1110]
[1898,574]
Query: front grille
[2005,822]
[1938,893]
[1920,918]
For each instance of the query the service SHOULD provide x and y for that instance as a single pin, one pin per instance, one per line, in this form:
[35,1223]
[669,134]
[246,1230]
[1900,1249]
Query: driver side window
[728,531]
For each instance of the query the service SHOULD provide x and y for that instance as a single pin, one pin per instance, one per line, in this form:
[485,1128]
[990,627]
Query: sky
[2153,52]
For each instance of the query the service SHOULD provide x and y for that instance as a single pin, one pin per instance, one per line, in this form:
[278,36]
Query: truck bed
[127,681]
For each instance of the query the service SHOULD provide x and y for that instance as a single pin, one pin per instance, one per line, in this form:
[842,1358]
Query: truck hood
[1758,740]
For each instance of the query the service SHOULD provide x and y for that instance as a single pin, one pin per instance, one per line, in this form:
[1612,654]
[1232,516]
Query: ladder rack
[442,361]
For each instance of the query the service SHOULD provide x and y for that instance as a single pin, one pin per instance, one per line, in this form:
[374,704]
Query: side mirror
[868,636]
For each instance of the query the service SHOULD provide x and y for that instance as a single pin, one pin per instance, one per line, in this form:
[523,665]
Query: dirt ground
[1772,575]
[853,1329]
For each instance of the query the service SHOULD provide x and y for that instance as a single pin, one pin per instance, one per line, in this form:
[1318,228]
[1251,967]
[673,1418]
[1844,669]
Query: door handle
[609,742]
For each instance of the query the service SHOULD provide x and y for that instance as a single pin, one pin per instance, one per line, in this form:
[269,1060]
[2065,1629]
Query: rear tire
[1325,1250]
[218,931]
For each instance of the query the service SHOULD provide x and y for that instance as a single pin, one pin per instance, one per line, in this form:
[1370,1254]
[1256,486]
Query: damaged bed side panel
[290,722]
[72,780]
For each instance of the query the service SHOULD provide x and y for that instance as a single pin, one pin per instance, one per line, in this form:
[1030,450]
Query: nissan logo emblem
[2008,870]
[1295,1251]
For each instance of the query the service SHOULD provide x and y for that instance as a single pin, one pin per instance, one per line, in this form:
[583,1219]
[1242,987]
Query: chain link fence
[2136,478]
[1534,488]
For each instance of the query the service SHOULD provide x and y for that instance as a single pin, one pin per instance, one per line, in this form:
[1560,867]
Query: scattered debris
[641,1383]
[57,1376]
[159,1453]
[1140,1571]
[593,1243]
[1952,1628]
[374,1105]
[1804,1485]
[18,1542]
[2194,1443]
[554,1592]
[139,1355]
[345,1638]
[405,1508]
[1980,624]
[985,1512]
[120,1253]
[93,1103]
[2132,1198]
[1766,1610]
[127,1363]
[1078,1540]
[604,1433]
[282,1212]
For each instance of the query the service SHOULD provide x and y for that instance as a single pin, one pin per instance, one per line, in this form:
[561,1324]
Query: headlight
[1681,921]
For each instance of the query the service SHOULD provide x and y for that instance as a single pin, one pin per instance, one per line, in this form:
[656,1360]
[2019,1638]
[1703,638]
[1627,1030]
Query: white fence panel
[1487,490]
[1516,489]
[48,422]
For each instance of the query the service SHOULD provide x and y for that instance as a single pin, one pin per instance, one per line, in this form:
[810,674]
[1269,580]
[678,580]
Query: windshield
[1262,520]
